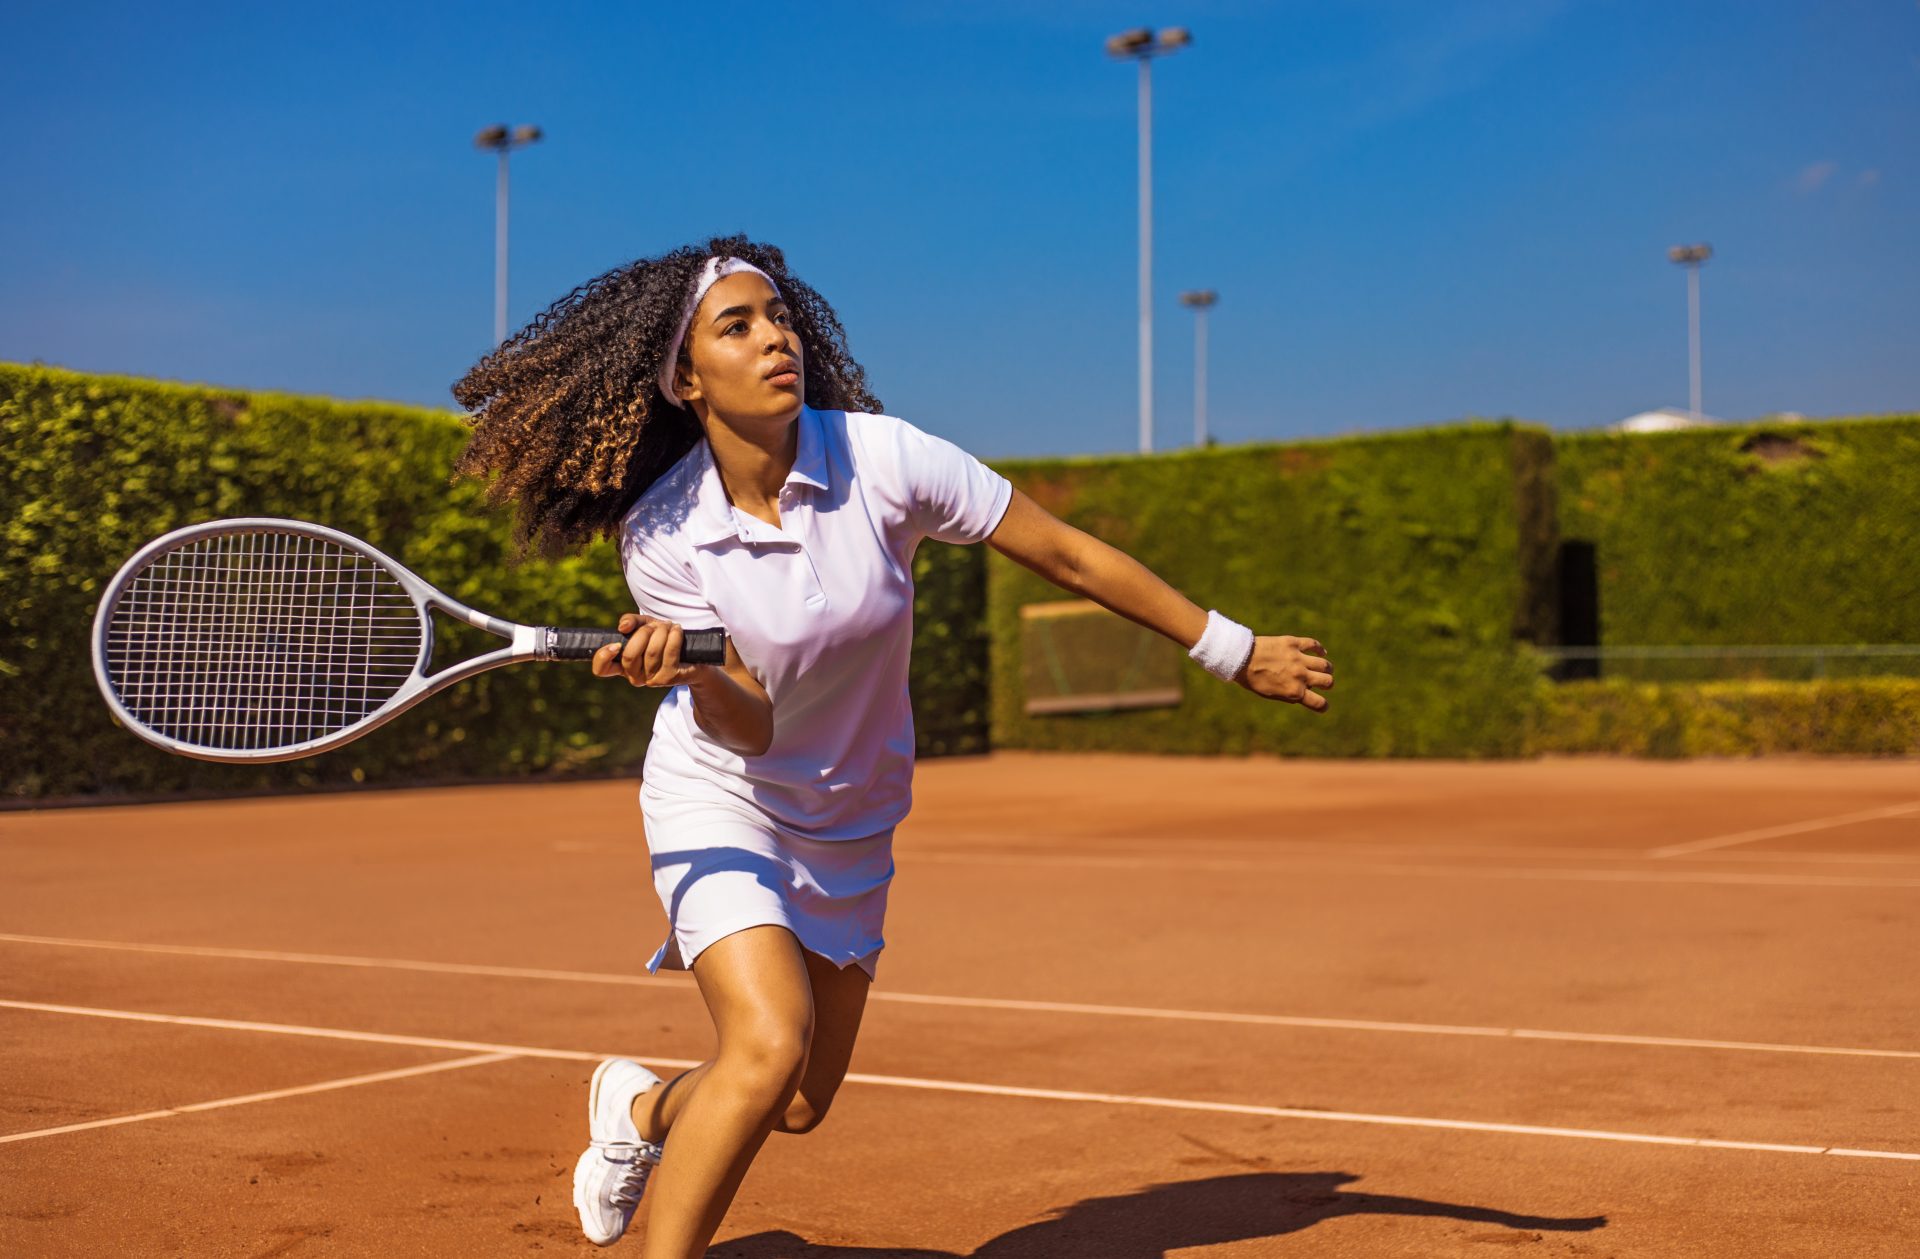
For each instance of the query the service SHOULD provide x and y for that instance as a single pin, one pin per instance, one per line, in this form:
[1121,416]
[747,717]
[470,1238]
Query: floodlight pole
[1200,301]
[1690,257]
[500,251]
[1144,45]
[1146,255]
[502,140]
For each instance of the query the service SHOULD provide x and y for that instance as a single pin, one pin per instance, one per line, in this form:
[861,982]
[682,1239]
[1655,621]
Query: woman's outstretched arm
[1282,667]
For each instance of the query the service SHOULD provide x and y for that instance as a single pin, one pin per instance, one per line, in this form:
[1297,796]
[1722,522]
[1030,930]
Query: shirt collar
[810,458]
[714,519]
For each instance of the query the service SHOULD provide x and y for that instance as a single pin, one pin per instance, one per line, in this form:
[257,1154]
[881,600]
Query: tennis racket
[267,640]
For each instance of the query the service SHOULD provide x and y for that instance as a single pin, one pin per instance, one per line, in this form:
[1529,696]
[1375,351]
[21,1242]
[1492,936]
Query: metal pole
[1146,257]
[1693,336]
[502,140]
[1143,44]
[1200,376]
[500,253]
[1690,257]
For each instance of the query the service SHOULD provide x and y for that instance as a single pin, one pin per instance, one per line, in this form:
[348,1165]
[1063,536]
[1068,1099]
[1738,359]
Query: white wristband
[1223,650]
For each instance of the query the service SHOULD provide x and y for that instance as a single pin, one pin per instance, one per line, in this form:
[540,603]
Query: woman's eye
[783,319]
[736,326]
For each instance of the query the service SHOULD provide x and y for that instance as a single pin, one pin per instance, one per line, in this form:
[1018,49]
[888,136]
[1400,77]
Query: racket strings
[261,640]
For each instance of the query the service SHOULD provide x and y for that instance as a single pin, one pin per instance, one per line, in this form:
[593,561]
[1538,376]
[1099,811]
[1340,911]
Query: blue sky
[1412,211]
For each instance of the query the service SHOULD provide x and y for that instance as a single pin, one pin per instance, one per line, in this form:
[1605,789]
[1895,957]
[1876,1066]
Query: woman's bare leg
[655,1110]
[839,1001]
[756,987]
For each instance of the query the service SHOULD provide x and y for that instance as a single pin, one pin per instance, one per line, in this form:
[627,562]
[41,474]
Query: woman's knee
[770,1058]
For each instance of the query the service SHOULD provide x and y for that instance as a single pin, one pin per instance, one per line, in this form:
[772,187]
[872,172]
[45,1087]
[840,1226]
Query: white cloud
[1811,177]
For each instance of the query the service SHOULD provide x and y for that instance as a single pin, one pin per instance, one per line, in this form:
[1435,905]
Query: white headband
[715,270]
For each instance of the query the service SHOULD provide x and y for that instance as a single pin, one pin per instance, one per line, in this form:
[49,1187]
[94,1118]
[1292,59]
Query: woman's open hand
[651,656]
[1290,669]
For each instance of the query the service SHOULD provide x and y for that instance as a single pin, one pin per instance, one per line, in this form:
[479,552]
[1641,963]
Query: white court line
[1784,856]
[328,1033]
[1375,848]
[1790,828]
[1373,1025]
[1003,1090]
[372,963]
[990,1003]
[352,1081]
[1731,878]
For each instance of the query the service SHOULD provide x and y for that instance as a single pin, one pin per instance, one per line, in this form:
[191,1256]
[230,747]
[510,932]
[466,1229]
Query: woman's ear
[685,381]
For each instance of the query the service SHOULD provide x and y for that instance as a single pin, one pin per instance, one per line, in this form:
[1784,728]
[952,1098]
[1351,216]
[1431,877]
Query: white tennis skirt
[719,869]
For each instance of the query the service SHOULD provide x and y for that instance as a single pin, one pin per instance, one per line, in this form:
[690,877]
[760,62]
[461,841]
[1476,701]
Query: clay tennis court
[1130,1007]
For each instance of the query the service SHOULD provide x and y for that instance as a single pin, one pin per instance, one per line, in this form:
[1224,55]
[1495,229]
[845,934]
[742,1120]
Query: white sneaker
[612,1172]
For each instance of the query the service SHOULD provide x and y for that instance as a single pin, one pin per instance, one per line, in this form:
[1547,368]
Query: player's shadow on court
[1154,1222]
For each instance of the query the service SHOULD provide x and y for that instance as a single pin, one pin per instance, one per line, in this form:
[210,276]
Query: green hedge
[1421,559]
[1424,559]
[1860,716]
[1777,532]
[92,467]
[950,676]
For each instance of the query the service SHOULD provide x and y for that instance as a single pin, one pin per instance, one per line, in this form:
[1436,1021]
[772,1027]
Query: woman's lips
[782,380]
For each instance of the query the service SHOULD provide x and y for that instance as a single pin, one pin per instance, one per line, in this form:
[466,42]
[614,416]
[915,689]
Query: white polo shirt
[819,608]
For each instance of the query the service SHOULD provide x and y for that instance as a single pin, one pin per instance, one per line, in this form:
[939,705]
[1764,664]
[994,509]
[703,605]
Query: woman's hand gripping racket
[653,653]
[268,640]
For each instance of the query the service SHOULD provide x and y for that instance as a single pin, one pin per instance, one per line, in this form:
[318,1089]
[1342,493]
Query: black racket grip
[697,646]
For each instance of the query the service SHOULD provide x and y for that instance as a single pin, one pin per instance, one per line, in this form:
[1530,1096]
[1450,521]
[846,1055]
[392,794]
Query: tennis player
[702,409]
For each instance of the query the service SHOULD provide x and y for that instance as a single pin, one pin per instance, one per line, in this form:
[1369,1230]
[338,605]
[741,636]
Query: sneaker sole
[579,1198]
[580,1165]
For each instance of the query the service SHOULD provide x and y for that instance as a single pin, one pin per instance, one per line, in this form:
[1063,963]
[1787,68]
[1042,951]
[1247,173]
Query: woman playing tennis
[701,408]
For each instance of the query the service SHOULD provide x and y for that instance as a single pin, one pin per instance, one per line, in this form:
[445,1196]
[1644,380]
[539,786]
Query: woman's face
[747,362]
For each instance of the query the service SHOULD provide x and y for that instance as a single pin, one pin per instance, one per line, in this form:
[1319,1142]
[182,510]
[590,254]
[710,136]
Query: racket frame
[525,642]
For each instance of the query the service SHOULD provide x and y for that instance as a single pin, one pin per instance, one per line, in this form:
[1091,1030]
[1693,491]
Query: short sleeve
[662,588]
[949,495]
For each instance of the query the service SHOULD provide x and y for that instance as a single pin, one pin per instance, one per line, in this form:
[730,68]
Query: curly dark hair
[569,423]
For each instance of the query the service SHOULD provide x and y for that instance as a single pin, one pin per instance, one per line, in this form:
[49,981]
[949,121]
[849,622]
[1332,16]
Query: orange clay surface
[1130,1008]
